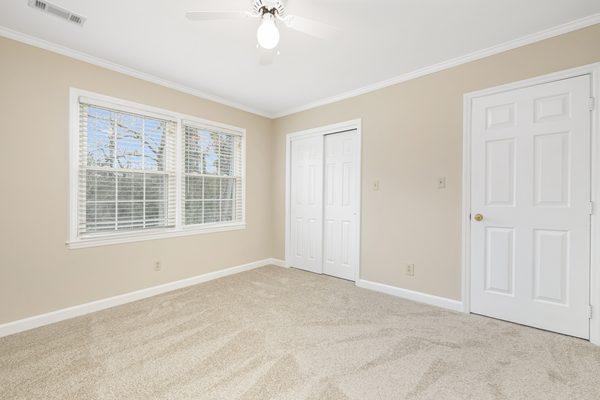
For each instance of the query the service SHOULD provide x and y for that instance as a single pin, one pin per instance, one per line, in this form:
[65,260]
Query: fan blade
[216,15]
[310,27]
[266,57]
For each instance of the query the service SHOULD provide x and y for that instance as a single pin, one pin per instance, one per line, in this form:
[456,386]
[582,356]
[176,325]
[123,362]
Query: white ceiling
[380,39]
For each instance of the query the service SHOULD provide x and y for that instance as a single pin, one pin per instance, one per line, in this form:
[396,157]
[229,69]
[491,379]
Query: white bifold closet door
[340,234]
[307,203]
[324,204]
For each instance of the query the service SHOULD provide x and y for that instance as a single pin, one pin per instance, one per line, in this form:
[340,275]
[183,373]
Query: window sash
[145,197]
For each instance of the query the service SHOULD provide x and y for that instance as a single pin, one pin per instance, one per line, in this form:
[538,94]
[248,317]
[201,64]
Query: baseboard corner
[277,262]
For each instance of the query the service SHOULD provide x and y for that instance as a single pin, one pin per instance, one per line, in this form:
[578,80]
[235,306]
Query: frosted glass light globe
[267,33]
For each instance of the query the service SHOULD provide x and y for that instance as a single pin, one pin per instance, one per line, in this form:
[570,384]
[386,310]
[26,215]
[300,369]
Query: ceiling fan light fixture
[267,33]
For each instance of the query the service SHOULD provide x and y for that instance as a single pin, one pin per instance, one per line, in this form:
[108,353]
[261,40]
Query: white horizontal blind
[212,180]
[126,171]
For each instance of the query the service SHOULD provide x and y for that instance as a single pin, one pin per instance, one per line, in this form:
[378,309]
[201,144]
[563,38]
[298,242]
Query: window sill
[130,237]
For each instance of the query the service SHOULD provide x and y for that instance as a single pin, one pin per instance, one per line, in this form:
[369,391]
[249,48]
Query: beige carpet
[274,333]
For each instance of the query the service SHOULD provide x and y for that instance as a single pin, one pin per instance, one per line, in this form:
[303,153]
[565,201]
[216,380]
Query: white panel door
[306,214]
[530,182]
[340,225]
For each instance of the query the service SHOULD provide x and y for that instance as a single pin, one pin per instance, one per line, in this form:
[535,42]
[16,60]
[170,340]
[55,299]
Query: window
[126,172]
[213,176]
[130,182]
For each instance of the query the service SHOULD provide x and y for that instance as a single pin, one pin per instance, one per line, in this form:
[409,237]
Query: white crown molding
[490,51]
[102,304]
[81,56]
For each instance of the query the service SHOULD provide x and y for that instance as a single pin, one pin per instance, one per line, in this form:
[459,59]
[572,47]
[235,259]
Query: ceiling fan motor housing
[275,7]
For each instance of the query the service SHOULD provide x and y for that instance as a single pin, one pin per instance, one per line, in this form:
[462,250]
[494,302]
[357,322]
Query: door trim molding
[593,70]
[355,124]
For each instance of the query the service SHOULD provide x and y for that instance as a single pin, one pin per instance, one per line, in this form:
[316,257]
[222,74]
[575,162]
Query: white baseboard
[420,297]
[82,309]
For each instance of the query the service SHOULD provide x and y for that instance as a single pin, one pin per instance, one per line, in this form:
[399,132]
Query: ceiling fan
[270,12]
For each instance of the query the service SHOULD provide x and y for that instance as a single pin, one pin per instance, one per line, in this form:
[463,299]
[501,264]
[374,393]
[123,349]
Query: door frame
[355,124]
[593,70]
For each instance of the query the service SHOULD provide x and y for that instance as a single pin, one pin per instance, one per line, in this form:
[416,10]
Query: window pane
[225,155]
[227,188]
[155,138]
[211,211]
[226,210]
[193,150]
[100,185]
[100,216]
[100,138]
[155,213]
[193,187]
[193,212]
[201,151]
[212,188]
[129,141]
[130,186]
[130,215]
[155,186]
[210,155]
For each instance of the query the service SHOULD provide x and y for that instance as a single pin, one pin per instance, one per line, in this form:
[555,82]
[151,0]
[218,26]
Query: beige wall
[412,134]
[37,273]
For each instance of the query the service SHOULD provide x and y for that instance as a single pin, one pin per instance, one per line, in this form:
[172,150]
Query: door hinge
[592,103]
[590,312]
[591,208]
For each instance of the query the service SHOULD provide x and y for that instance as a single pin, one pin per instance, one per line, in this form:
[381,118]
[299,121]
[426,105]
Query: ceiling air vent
[57,11]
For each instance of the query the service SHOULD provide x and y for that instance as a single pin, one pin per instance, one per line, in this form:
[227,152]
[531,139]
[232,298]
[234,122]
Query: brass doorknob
[478,217]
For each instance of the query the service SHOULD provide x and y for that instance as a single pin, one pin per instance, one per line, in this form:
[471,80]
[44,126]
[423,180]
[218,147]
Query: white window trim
[75,242]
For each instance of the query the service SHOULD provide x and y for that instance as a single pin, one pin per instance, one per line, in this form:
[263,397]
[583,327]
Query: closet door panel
[340,204]
[307,203]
